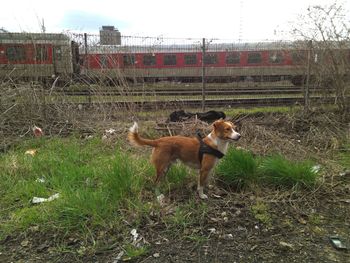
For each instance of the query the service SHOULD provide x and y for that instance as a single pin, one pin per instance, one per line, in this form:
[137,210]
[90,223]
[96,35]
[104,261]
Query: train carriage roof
[165,48]
[33,37]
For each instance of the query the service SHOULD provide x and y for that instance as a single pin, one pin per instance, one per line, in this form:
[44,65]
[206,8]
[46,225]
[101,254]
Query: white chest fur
[221,144]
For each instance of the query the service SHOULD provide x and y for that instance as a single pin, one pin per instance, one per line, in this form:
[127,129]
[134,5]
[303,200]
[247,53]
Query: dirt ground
[285,226]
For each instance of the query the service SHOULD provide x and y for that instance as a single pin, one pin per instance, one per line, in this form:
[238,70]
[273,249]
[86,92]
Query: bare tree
[326,31]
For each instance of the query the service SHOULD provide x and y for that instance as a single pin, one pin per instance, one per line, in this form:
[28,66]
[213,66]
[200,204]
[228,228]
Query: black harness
[205,148]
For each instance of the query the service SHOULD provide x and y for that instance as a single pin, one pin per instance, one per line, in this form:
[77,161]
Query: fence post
[203,75]
[308,72]
[86,64]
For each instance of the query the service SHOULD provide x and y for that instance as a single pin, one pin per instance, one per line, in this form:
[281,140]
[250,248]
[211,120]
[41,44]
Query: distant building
[110,36]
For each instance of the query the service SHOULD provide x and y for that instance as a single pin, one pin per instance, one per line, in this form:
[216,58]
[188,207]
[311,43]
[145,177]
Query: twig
[9,109]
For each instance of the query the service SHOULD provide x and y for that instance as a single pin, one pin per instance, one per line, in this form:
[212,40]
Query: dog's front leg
[201,194]
[207,165]
[204,174]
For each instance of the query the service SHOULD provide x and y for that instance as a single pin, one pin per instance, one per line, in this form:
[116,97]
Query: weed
[133,252]
[315,219]
[344,155]
[181,222]
[238,168]
[261,212]
[279,171]
[181,218]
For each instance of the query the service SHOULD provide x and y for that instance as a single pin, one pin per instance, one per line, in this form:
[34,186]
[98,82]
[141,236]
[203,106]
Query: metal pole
[307,85]
[86,63]
[203,75]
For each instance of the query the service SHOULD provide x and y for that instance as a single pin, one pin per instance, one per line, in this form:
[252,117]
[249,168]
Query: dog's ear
[216,123]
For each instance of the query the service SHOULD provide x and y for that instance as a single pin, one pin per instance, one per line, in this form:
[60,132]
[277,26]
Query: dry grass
[24,105]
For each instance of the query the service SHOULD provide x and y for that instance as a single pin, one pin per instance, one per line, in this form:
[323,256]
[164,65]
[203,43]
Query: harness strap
[205,148]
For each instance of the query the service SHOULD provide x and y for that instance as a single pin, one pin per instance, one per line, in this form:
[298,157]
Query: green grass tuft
[241,169]
[277,170]
[238,168]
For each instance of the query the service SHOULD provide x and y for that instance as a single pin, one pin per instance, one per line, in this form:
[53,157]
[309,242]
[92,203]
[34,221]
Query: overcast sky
[229,19]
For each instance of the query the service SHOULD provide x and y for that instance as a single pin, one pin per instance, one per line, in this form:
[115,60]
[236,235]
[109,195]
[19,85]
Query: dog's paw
[203,196]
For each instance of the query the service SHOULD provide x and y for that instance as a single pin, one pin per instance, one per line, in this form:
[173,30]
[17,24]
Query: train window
[149,60]
[103,61]
[191,59]
[210,59]
[169,60]
[232,58]
[276,57]
[254,57]
[128,60]
[15,53]
[41,53]
[58,53]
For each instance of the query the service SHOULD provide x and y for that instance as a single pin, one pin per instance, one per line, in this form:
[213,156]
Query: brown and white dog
[167,150]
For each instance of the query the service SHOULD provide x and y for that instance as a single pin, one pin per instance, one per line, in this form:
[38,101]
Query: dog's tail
[135,139]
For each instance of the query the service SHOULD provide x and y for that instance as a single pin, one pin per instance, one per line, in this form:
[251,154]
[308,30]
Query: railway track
[210,103]
[186,92]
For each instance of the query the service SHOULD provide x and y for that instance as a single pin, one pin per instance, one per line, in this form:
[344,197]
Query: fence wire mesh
[143,73]
[64,82]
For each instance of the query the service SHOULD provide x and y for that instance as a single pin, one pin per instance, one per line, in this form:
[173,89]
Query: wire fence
[66,82]
[195,72]
[162,73]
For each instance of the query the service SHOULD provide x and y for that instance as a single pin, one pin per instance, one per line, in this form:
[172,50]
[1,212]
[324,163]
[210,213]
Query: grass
[238,168]
[91,179]
[277,170]
[277,109]
[177,175]
[115,98]
[343,156]
[241,169]
[101,187]
[133,252]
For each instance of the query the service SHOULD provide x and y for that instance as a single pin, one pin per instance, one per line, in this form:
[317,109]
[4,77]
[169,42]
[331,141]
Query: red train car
[33,56]
[223,63]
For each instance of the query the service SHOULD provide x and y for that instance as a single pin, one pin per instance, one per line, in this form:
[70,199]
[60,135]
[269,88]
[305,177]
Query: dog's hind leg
[161,172]
[162,163]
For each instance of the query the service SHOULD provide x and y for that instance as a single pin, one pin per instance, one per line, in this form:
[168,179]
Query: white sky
[229,19]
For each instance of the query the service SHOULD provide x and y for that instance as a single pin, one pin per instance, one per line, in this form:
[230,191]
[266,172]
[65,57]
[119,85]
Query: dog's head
[225,130]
